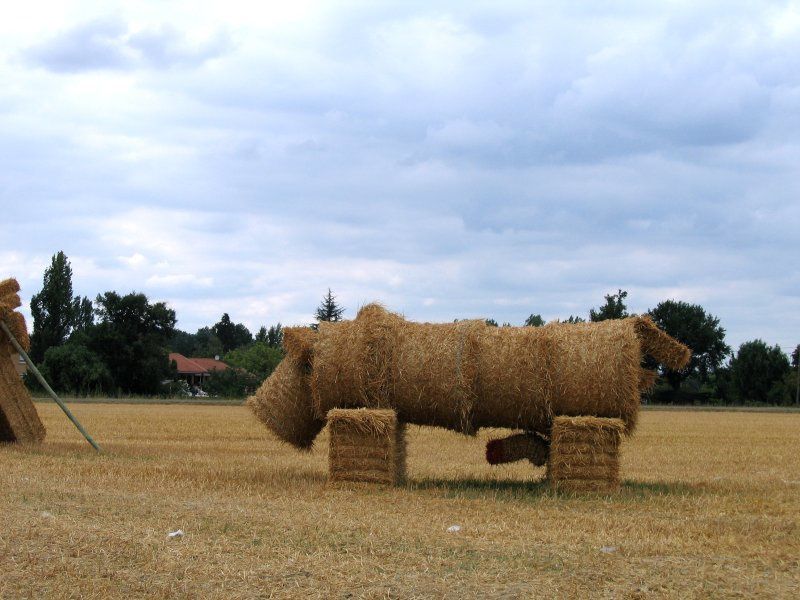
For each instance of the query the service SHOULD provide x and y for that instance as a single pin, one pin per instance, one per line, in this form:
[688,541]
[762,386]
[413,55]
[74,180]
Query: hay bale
[514,386]
[283,404]
[425,372]
[366,445]
[584,454]
[19,421]
[530,446]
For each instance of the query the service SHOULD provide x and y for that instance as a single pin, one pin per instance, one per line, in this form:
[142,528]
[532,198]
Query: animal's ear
[299,343]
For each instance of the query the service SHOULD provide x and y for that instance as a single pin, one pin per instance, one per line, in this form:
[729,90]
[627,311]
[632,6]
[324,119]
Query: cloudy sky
[449,159]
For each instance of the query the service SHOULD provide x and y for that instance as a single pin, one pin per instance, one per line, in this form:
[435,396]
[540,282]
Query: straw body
[463,376]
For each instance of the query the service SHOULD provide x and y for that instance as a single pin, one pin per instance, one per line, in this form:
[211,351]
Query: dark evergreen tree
[328,310]
[275,336]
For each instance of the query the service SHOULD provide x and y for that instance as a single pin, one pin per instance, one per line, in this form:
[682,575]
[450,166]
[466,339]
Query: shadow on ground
[510,489]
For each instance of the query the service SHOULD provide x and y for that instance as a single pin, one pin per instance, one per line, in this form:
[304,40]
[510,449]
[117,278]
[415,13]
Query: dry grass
[708,507]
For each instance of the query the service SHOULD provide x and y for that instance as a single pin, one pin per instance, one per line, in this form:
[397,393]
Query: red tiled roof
[196,365]
[210,364]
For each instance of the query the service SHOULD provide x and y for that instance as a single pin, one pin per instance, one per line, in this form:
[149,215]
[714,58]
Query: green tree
[82,314]
[259,358]
[756,369]
[534,321]
[183,342]
[328,310]
[573,319]
[207,344]
[275,336]
[231,335]
[74,369]
[261,336]
[614,308]
[700,331]
[231,383]
[491,323]
[54,308]
[131,339]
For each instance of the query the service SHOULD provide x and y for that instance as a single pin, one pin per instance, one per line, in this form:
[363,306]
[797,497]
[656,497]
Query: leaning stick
[45,385]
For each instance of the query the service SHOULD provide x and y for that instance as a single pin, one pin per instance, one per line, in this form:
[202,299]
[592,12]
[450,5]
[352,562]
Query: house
[196,371]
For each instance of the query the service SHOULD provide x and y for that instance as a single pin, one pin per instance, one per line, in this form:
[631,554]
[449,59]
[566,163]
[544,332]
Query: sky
[448,159]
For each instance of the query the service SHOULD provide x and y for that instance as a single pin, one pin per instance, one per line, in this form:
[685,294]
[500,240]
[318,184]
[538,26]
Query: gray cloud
[453,162]
[108,44]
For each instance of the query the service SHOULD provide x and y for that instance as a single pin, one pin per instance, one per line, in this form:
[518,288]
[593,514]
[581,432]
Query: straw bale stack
[366,445]
[584,454]
[19,421]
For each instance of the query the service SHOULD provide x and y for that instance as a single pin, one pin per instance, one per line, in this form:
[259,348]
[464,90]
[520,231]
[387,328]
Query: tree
[491,323]
[534,321]
[261,336]
[275,336]
[614,308]
[573,319]
[131,338]
[82,314]
[328,310]
[183,342]
[75,369]
[231,383]
[756,368]
[701,332]
[258,358]
[207,344]
[53,308]
[231,335]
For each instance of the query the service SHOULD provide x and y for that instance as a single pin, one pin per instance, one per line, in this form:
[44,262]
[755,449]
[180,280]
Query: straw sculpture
[19,421]
[464,375]
[366,445]
[584,454]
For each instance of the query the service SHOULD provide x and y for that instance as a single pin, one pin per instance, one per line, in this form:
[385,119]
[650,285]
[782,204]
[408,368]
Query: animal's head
[283,402]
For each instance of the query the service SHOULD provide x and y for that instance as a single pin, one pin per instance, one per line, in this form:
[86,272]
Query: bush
[232,383]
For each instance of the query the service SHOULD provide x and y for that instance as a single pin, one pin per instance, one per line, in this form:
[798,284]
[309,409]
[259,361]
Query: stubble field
[709,507]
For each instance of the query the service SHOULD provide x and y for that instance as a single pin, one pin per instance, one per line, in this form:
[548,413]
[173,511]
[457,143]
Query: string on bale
[366,445]
[584,454]
[283,404]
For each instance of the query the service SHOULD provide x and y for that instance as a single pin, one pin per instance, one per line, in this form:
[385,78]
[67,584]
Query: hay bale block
[584,454]
[366,445]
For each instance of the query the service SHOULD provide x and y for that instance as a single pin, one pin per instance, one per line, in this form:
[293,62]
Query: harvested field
[709,506]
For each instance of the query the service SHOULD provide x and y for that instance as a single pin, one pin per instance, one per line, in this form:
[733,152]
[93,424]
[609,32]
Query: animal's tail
[664,348]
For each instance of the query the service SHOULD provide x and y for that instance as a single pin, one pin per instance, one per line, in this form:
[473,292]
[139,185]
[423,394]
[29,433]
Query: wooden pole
[46,386]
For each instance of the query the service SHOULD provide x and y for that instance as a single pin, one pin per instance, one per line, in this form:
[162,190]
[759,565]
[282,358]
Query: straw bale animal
[19,421]
[463,376]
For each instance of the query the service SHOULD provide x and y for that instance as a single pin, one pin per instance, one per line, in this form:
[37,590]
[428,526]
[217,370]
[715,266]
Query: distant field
[710,507]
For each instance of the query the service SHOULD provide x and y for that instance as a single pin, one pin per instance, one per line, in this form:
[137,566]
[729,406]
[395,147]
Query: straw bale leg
[584,454]
[366,446]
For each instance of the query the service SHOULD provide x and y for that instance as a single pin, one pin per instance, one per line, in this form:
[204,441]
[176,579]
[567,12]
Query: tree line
[119,344]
